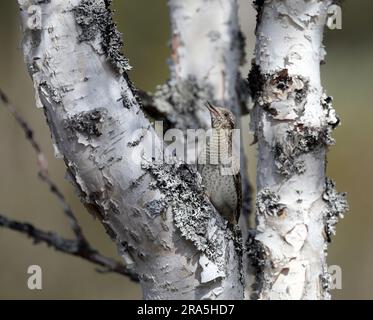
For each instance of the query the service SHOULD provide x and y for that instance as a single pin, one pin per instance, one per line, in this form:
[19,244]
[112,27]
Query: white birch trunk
[207,50]
[297,206]
[158,213]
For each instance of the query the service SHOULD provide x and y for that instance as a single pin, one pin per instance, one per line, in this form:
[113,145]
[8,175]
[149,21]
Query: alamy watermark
[334,19]
[35,280]
[219,147]
[335,273]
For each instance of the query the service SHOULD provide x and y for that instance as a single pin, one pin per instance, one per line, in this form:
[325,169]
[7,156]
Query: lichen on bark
[337,206]
[99,29]
[87,123]
[193,215]
[183,101]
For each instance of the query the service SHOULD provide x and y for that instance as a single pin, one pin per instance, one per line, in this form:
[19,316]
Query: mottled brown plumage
[224,190]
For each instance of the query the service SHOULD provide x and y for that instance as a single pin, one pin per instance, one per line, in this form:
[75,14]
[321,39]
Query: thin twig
[43,166]
[79,247]
[68,246]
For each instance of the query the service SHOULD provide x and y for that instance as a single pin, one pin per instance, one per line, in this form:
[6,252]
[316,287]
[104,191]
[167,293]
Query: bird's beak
[212,109]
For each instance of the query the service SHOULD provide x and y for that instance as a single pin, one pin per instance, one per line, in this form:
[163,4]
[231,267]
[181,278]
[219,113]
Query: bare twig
[68,246]
[79,247]
[43,166]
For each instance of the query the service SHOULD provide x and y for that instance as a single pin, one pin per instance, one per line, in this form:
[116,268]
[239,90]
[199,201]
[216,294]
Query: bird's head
[221,118]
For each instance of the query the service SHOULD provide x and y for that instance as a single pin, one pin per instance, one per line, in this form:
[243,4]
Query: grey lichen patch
[155,208]
[332,119]
[282,95]
[129,101]
[286,162]
[257,256]
[169,286]
[192,213]
[96,21]
[182,100]
[325,281]
[236,237]
[268,203]
[337,206]
[87,123]
[299,139]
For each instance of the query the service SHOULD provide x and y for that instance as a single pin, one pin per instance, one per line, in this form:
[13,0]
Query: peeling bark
[293,120]
[73,55]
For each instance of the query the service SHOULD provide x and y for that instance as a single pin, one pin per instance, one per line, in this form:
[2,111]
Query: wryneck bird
[222,182]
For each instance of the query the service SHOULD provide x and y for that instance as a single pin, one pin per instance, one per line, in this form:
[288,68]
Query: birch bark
[207,50]
[182,249]
[297,206]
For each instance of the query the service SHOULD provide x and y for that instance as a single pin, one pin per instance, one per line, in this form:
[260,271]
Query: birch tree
[297,206]
[168,234]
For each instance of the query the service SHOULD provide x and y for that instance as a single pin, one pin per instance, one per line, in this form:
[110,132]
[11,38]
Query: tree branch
[73,247]
[43,167]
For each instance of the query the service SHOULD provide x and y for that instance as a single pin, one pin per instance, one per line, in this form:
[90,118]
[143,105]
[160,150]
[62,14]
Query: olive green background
[347,76]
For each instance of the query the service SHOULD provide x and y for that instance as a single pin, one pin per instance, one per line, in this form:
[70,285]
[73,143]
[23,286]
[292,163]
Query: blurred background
[347,76]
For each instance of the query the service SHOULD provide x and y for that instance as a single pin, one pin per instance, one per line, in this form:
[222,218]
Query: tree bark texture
[297,206]
[158,213]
